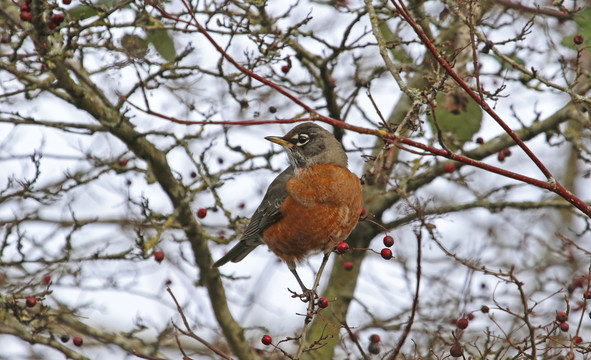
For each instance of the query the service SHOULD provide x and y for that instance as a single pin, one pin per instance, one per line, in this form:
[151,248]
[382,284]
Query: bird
[310,207]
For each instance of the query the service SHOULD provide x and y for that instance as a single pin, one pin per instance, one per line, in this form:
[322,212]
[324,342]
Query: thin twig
[310,312]
[190,332]
[415,301]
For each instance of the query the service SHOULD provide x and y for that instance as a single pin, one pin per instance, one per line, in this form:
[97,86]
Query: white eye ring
[302,139]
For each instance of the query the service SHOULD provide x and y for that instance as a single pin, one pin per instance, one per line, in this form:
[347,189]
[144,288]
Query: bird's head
[309,144]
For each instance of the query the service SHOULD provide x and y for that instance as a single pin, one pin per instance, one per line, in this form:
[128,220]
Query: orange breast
[322,208]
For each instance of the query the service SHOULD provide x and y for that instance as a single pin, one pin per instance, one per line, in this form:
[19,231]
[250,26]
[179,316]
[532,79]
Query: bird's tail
[237,253]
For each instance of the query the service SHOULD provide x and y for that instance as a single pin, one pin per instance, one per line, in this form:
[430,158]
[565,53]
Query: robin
[311,206]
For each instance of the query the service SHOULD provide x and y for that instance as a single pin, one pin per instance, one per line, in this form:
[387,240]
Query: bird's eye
[303,139]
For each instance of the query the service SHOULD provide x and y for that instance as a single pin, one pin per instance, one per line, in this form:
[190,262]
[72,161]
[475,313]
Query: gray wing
[268,213]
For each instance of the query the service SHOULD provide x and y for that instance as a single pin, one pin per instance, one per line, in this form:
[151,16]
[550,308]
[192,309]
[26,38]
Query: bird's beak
[279,140]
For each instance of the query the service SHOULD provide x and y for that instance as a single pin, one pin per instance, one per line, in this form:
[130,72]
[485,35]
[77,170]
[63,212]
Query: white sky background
[381,288]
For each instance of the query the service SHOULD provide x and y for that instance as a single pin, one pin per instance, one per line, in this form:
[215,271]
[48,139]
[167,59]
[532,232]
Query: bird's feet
[307,295]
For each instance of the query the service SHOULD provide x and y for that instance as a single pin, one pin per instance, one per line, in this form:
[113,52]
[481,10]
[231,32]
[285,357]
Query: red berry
[449,168]
[388,240]
[46,278]
[501,156]
[58,18]
[577,340]
[25,16]
[362,212]
[159,256]
[322,303]
[386,253]
[470,316]
[25,8]
[462,323]
[456,350]
[52,25]
[267,340]
[77,341]
[66,2]
[348,265]
[31,301]
[193,174]
[506,152]
[564,326]
[485,309]
[285,69]
[342,247]
[587,294]
[373,348]
[578,39]
[561,316]
[479,140]
[5,39]
[375,338]
[122,162]
[201,213]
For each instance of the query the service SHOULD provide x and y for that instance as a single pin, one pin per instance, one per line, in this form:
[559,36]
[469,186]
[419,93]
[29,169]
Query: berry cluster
[31,301]
[77,340]
[386,252]
[561,318]
[26,11]
[25,15]
[56,20]
[374,344]
[503,154]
